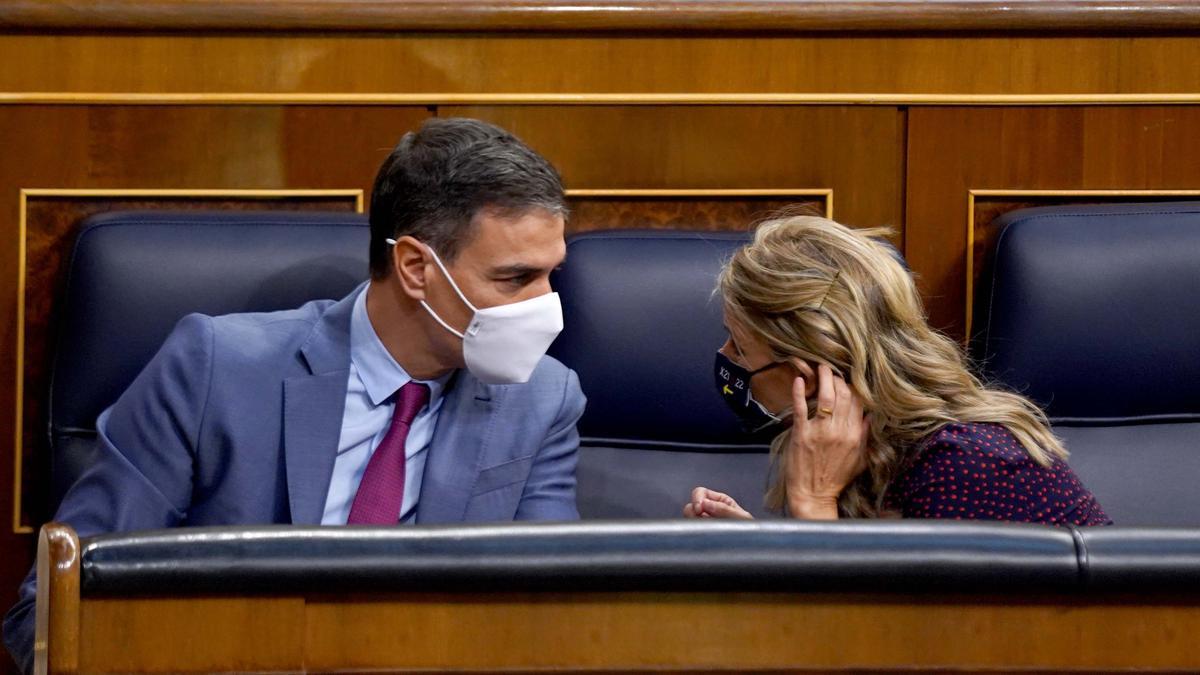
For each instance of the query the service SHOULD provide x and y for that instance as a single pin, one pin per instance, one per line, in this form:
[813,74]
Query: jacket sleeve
[145,446]
[550,491]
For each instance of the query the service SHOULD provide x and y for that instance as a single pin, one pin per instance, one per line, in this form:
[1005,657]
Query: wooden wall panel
[640,632]
[265,634]
[699,211]
[744,632]
[573,64]
[854,151]
[327,145]
[954,150]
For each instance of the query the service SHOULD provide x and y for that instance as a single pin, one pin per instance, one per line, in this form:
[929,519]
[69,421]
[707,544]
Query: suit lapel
[459,444]
[312,425]
[313,405]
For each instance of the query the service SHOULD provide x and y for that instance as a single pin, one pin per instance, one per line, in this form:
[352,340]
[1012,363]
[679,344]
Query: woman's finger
[689,510]
[855,414]
[699,494]
[845,404]
[856,406]
[864,448]
[799,407]
[826,394]
[720,510]
[722,497]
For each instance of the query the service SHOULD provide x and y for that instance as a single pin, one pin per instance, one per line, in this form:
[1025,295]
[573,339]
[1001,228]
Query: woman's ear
[808,372]
[410,265]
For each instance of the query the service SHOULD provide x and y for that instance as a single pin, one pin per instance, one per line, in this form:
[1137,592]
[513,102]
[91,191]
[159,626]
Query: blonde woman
[825,320]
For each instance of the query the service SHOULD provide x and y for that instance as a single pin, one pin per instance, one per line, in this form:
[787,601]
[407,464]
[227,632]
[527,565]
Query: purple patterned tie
[381,492]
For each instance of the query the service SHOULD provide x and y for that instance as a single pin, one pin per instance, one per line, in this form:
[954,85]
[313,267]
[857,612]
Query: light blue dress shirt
[374,377]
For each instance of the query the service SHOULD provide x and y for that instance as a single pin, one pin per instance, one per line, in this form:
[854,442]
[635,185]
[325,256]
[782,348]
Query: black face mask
[733,382]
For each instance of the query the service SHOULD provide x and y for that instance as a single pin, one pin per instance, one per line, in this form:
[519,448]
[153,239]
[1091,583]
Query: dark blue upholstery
[641,330]
[1094,312]
[133,275]
[1139,559]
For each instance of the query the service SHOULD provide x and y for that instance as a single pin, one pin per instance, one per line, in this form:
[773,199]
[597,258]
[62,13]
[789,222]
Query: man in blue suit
[422,397]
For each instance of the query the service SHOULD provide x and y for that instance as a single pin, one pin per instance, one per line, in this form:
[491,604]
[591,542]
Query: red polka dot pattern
[981,472]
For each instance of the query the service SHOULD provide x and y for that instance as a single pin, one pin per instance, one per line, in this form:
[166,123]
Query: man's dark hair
[439,177]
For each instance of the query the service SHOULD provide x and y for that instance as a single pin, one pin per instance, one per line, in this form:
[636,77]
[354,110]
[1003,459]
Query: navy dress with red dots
[981,472]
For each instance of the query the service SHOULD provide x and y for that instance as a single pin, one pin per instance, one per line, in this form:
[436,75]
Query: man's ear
[410,263]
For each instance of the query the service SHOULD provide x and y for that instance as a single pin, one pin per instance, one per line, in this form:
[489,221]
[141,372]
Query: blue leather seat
[133,275]
[1094,312]
[641,329]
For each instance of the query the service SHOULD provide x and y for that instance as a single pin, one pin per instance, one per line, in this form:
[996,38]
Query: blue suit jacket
[236,421]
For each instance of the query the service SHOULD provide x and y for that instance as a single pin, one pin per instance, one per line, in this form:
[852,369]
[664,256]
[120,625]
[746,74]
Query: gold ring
[824,412]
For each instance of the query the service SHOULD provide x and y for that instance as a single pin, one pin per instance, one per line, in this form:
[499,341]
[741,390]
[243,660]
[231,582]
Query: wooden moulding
[774,16]
[472,631]
[56,645]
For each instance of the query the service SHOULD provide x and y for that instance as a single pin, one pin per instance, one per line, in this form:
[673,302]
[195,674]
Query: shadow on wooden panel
[49,222]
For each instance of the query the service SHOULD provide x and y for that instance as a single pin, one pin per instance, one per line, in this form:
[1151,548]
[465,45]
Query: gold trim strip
[723,192]
[973,194]
[24,195]
[198,193]
[19,421]
[970,314]
[1084,193]
[618,98]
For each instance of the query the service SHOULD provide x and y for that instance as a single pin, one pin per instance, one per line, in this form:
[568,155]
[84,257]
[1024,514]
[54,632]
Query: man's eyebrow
[516,270]
[519,269]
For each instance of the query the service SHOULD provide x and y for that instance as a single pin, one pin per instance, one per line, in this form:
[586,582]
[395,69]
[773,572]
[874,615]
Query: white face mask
[503,344]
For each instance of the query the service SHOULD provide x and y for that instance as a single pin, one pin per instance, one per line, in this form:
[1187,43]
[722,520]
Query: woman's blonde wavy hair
[813,289]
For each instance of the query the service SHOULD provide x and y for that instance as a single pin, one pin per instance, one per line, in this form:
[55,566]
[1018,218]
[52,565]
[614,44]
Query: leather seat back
[1094,312]
[134,274]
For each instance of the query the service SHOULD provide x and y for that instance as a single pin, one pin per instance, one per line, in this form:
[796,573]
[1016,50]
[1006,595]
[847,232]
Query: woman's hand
[712,504]
[828,451]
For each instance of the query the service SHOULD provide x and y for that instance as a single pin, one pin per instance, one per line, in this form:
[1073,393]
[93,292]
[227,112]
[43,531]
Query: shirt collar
[379,372]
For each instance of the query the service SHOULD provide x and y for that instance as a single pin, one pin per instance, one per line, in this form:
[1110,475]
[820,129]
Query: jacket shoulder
[255,336]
